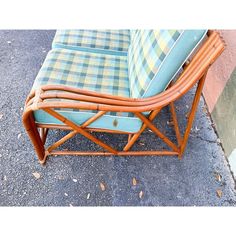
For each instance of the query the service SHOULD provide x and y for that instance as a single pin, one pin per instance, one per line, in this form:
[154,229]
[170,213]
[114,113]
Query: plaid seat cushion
[101,41]
[155,56]
[106,74]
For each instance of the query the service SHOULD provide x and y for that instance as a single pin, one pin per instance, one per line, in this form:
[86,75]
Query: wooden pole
[157,131]
[132,140]
[192,114]
[175,122]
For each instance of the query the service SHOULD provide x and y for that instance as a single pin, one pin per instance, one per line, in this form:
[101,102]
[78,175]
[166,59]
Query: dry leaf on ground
[170,123]
[102,186]
[219,193]
[36,175]
[218,177]
[204,110]
[187,115]
[142,144]
[134,182]
[141,194]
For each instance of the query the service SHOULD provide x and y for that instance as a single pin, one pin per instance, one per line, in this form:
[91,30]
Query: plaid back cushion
[108,40]
[147,51]
[155,56]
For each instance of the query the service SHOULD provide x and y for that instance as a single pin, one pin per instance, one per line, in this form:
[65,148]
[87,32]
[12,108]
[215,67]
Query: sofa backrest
[155,57]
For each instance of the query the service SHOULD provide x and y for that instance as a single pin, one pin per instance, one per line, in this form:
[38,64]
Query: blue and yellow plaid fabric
[152,59]
[108,40]
[148,49]
[107,74]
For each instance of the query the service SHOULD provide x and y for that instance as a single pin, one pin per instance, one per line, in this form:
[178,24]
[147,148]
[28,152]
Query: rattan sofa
[117,81]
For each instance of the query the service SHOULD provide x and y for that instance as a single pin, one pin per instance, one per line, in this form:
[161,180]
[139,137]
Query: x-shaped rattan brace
[151,126]
[78,129]
[134,137]
[101,113]
[147,123]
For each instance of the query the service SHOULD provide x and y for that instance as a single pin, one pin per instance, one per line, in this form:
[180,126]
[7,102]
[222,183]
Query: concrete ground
[202,178]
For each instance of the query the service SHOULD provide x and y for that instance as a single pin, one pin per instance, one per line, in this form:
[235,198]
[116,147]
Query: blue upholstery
[107,74]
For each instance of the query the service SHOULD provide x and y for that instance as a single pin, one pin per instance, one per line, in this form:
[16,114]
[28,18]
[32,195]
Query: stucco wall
[224,115]
[221,70]
[220,94]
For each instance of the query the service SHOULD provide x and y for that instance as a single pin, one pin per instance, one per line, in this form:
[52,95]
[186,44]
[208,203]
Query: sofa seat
[107,74]
[94,60]
[115,42]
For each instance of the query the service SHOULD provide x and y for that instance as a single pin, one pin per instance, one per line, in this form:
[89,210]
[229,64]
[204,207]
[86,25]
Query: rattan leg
[31,129]
[192,115]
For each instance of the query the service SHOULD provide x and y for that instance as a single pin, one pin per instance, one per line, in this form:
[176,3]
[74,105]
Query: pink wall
[221,70]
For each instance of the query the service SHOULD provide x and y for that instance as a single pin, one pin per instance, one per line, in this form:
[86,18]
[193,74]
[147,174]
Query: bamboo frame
[194,72]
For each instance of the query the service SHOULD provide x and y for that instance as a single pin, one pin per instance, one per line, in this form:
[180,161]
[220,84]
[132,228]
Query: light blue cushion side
[181,51]
[86,49]
[119,123]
